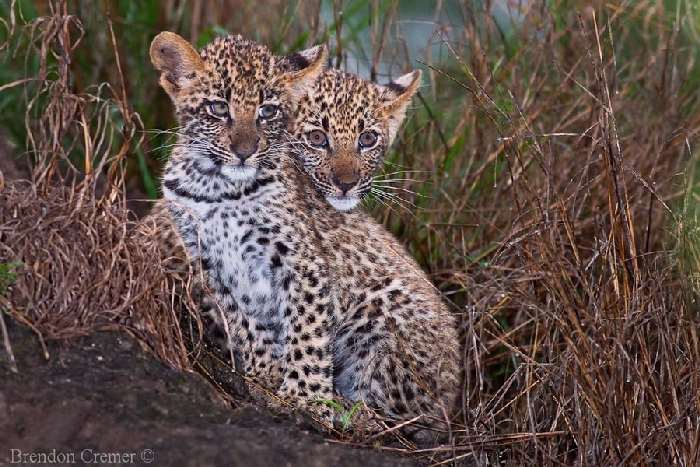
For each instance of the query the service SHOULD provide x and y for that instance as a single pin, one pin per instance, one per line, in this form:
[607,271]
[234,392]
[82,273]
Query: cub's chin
[239,173]
[343,203]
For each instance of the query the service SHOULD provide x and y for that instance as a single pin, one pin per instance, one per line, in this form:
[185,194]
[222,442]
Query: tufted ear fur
[306,66]
[176,60]
[397,95]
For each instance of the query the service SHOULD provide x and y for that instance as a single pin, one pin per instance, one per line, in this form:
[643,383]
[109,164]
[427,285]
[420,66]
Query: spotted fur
[315,301]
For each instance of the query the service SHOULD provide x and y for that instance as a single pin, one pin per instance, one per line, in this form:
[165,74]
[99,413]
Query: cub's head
[343,127]
[233,98]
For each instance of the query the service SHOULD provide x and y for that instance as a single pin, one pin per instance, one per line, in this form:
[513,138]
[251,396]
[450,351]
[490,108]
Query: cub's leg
[254,347]
[399,355]
[308,311]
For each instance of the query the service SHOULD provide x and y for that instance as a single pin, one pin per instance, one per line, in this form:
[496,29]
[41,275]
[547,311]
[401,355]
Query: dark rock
[98,395]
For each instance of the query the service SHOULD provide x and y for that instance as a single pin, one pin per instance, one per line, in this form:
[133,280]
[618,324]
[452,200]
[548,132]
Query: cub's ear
[176,60]
[397,95]
[305,66]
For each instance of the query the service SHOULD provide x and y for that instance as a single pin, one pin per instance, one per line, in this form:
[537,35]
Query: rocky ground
[102,395]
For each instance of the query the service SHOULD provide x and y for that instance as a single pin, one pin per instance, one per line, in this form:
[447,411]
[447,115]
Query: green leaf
[8,275]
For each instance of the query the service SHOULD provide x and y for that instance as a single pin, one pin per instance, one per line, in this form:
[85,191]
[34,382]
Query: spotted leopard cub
[394,342]
[228,202]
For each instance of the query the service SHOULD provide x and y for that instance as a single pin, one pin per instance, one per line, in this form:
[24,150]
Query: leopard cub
[395,343]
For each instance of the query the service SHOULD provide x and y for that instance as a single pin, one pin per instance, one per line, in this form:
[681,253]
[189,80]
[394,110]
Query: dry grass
[80,271]
[80,267]
[556,163]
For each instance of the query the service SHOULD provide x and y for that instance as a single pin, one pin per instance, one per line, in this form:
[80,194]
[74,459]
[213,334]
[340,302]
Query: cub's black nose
[345,182]
[243,149]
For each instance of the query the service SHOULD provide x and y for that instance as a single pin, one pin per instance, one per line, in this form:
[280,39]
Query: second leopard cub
[315,300]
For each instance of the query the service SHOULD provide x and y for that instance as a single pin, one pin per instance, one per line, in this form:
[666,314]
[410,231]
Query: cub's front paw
[314,406]
[320,412]
[270,375]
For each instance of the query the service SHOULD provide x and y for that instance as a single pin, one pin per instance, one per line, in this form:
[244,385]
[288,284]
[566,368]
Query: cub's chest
[244,252]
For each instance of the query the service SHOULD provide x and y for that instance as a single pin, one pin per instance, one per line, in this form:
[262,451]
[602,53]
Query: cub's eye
[317,138]
[218,109]
[368,139]
[268,111]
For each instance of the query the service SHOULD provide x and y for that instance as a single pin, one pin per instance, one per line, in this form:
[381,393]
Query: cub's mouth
[343,203]
[239,172]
